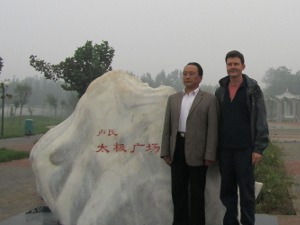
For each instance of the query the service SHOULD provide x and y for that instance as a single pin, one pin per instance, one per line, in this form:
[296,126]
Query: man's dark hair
[200,70]
[235,53]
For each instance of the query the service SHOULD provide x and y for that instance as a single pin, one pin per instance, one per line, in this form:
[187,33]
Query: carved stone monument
[102,165]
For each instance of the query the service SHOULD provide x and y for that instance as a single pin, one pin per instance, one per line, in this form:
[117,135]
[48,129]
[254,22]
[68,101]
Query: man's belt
[182,134]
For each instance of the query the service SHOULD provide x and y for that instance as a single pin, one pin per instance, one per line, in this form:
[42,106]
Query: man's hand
[256,157]
[208,162]
[167,160]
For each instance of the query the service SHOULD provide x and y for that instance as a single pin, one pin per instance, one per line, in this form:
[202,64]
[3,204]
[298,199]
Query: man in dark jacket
[243,135]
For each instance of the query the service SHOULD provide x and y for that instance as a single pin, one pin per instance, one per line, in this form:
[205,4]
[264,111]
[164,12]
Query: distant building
[284,107]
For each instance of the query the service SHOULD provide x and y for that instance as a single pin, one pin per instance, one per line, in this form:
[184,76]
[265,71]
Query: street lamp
[4,84]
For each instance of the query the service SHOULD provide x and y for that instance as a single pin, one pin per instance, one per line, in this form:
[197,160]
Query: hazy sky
[151,35]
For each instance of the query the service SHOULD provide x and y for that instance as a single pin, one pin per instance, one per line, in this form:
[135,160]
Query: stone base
[264,219]
[48,219]
[31,219]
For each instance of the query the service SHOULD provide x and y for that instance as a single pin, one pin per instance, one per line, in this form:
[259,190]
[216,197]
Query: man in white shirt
[189,145]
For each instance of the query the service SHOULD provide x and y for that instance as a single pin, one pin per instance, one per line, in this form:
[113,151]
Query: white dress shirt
[187,101]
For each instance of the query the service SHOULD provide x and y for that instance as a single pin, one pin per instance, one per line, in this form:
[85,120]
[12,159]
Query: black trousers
[237,171]
[188,185]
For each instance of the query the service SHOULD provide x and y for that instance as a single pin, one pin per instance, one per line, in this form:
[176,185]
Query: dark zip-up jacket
[257,111]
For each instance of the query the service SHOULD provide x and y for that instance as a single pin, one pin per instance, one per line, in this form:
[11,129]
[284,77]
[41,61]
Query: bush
[274,197]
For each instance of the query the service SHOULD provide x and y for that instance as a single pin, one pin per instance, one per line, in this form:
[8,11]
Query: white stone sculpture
[102,165]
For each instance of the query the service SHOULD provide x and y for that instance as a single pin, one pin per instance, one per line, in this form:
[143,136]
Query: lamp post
[3,85]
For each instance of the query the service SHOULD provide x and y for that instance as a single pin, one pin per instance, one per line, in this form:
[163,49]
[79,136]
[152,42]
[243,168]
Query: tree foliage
[279,80]
[173,79]
[146,78]
[89,62]
[1,64]
[37,103]
[21,97]
[52,101]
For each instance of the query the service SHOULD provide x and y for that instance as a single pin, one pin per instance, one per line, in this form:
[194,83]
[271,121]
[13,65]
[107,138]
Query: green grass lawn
[15,126]
[7,155]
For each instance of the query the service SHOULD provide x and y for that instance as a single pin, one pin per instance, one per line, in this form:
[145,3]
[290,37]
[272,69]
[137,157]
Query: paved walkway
[17,184]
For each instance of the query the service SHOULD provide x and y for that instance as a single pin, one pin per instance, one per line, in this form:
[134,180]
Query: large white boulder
[102,165]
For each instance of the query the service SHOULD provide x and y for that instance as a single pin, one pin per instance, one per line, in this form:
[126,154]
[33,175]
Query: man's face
[234,67]
[190,77]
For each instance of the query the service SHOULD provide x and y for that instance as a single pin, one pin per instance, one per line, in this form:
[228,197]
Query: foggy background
[151,36]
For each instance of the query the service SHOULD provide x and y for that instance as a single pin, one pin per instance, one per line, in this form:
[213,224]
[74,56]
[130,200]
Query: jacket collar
[251,83]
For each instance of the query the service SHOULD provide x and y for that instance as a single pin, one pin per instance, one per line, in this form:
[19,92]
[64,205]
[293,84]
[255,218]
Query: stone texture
[102,164]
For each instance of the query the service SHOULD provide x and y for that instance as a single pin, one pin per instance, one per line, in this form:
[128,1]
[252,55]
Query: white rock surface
[85,185]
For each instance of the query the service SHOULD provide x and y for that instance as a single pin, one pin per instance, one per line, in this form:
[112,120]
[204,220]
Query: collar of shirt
[194,92]
[243,84]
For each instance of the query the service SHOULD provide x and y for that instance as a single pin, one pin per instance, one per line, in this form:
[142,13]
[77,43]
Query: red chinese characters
[136,146]
[109,132]
[153,148]
[102,148]
[121,148]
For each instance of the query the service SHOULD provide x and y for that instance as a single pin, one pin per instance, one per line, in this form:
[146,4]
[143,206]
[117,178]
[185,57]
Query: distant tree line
[1,64]
[90,62]
[38,96]
[173,79]
[73,75]
[279,80]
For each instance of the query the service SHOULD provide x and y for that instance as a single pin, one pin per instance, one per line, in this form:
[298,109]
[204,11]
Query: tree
[174,80]
[16,105]
[279,80]
[160,79]
[30,110]
[63,104]
[52,101]
[272,75]
[146,78]
[1,64]
[89,62]
[22,94]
